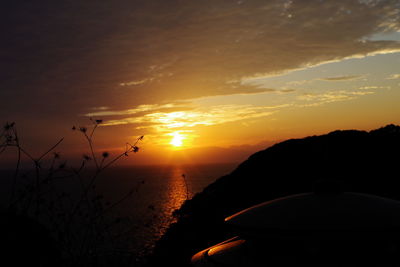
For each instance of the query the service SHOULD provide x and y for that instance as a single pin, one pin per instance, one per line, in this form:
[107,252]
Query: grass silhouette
[83,227]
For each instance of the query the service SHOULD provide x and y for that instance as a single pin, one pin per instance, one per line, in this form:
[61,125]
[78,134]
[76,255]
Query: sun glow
[177,139]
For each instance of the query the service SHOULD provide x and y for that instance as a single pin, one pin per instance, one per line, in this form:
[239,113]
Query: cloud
[342,78]
[316,99]
[166,121]
[372,87]
[127,53]
[287,90]
[99,108]
[133,83]
[296,83]
[138,110]
[393,77]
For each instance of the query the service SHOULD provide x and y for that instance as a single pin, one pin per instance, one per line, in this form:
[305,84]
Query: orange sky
[204,81]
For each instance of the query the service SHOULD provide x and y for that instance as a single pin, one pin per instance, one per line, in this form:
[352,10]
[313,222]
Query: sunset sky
[204,81]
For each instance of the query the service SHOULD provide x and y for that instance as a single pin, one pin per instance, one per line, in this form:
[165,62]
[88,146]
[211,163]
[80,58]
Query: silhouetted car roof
[311,228]
[319,212]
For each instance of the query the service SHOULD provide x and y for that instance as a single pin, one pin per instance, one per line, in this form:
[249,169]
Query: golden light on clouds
[223,81]
[182,125]
[206,116]
[211,73]
[173,119]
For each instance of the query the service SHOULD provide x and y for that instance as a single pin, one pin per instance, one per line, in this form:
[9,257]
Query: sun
[177,139]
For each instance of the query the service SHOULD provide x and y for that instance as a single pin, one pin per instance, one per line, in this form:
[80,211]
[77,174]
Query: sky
[203,81]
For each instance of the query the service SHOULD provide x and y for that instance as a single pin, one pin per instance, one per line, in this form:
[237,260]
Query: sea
[158,191]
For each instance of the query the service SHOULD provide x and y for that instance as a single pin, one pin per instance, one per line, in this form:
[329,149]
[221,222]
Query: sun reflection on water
[174,196]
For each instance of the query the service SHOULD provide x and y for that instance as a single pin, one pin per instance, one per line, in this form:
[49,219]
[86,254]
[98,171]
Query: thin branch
[125,197]
[114,160]
[94,128]
[14,186]
[37,172]
[101,163]
[89,139]
[26,153]
[48,151]
[186,186]
[128,149]
[98,170]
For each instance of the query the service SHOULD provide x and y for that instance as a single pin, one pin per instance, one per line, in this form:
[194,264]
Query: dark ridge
[351,160]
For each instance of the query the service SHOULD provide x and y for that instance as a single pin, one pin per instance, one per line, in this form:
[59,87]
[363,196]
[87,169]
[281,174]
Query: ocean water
[158,192]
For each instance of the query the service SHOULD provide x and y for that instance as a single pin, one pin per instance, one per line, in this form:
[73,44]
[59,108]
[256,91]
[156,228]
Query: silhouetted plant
[78,223]
[186,186]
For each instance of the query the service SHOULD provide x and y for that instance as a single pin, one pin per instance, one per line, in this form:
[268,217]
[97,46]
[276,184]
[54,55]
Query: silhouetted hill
[364,161]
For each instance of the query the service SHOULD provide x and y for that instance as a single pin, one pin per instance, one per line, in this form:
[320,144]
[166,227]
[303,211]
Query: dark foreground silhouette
[25,242]
[362,161]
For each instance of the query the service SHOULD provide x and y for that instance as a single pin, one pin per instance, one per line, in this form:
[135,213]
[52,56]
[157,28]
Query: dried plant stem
[50,149]
[15,177]
[77,221]
[128,149]
[186,186]
[89,139]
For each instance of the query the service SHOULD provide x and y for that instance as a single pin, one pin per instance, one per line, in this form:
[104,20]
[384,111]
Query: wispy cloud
[133,83]
[297,83]
[373,87]
[201,116]
[342,78]
[393,77]
[317,99]
[163,118]
[138,109]
[99,108]
[287,90]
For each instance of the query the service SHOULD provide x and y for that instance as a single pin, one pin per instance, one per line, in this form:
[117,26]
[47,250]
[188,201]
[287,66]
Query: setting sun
[177,139]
